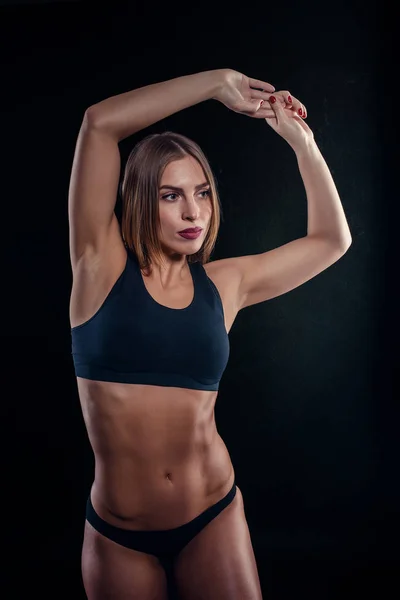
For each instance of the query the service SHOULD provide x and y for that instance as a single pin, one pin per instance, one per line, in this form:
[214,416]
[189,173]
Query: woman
[150,317]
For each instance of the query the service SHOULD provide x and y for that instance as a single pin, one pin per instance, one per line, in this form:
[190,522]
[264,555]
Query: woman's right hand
[237,92]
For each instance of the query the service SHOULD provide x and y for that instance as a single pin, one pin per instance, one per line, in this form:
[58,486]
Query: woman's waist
[156,492]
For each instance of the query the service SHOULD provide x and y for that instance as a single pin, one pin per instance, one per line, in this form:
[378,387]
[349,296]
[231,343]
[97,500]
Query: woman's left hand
[250,97]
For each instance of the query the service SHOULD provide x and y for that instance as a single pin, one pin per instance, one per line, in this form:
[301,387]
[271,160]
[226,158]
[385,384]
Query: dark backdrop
[306,405]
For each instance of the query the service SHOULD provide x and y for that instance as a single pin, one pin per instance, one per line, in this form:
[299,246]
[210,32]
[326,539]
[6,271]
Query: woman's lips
[190,235]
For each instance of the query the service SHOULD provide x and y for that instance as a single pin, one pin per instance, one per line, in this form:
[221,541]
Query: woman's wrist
[219,77]
[308,148]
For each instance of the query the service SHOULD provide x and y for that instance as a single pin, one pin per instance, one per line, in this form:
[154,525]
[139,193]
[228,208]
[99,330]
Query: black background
[307,403]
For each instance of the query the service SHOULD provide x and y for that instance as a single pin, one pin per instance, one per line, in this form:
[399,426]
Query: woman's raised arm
[122,115]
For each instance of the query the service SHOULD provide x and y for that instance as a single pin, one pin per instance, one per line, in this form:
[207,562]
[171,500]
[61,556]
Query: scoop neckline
[163,305]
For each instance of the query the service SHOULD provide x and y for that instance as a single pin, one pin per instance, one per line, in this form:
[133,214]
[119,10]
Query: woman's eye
[172,194]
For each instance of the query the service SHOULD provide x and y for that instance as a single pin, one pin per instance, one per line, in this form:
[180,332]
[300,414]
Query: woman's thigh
[110,570]
[219,563]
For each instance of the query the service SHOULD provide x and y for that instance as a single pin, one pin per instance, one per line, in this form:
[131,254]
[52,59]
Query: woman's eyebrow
[179,189]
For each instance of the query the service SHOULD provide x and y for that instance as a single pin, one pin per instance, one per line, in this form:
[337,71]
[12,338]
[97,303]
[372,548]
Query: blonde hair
[140,221]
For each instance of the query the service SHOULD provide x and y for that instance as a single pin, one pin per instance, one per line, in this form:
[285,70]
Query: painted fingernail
[300,111]
[272,99]
[289,98]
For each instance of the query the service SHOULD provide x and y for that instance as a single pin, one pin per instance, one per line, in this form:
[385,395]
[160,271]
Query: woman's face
[184,201]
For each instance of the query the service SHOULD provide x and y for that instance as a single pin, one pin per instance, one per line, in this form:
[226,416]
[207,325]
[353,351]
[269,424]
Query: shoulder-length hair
[140,221]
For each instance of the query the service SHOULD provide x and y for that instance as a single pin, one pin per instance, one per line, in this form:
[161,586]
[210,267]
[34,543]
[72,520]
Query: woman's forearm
[326,217]
[124,114]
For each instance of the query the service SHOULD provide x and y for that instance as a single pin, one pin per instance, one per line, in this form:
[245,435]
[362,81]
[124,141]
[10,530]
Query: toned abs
[159,460]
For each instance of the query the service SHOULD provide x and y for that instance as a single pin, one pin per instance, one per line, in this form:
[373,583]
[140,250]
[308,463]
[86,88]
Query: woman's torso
[159,460]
